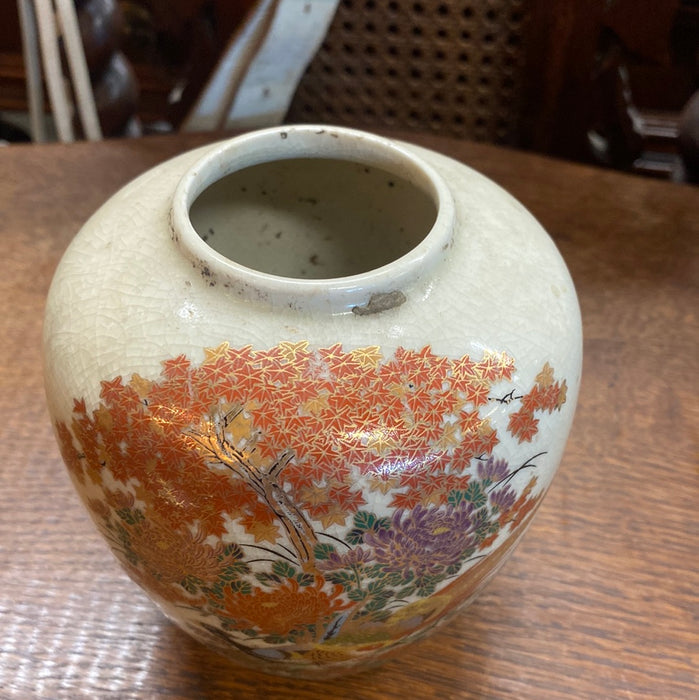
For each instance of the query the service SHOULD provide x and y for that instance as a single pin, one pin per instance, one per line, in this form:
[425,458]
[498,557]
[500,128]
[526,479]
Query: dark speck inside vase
[312,217]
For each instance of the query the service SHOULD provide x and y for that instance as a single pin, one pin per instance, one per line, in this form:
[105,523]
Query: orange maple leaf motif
[314,494]
[450,437]
[546,395]
[434,496]
[331,514]
[316,404]
[293,352]
[176,368]
[281,372]
[545,377]
[562,395]
[383,483]
[463,370]
[369,357]
[212,355]
[523,425]
[477,392]
[406,500]
[213,372]
[141,386]
[260,528]
[111,392]
[285,443]
[380,440]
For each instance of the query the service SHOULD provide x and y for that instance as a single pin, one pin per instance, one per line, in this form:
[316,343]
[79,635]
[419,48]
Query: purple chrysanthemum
[425,540]
[344,561]
[503,499]
[493,470]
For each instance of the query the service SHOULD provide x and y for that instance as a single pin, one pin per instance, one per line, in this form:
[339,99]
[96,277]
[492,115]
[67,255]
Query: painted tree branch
[211,439]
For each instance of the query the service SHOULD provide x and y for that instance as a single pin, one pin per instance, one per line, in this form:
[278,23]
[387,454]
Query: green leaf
[468,554]
[375,571]
[131,517]
[456,497]
[405,592]
[267,579]
[364,520]
[123,535]
[217,590]
[241,586]
[355,536]
[341,578]
[356,594]
[426,588]
[305,579]
[426,585]
[377,587]
[394,579]
[125,515]
[297,634]
[474,494]
[190,584]
[323,550]
[408,576]
[376,604]
[382,524]
[233,571]
[283,569]
[231,550]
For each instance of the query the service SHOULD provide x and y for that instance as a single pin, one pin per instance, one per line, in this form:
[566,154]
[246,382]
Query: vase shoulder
[493,273]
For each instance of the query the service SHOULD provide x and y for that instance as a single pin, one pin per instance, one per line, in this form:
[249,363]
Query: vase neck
[313,218]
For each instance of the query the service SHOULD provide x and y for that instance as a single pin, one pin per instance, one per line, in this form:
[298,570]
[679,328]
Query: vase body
[311,385]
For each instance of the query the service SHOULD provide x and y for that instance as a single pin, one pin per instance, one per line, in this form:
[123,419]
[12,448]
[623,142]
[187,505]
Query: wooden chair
[454,67]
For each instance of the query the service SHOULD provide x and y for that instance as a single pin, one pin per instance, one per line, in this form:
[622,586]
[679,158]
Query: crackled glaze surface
[303,502]
[299,485]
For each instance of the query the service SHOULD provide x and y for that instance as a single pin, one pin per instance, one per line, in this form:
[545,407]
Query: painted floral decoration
[311,503]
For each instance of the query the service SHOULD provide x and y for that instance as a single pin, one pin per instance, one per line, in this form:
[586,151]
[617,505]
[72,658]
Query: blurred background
[609,82]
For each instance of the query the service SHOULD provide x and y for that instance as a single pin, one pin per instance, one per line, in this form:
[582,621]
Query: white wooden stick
[78,69]
[48,39]
[32,66]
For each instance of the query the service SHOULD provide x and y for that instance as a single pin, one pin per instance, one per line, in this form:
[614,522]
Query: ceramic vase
[311,385]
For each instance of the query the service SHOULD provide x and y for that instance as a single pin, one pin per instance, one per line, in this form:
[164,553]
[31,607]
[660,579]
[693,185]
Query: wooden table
[601,600]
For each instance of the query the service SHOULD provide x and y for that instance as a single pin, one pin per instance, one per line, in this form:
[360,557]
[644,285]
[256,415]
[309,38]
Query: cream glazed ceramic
[311,385]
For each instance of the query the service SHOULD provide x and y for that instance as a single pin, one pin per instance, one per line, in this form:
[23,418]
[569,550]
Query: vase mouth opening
[313,217]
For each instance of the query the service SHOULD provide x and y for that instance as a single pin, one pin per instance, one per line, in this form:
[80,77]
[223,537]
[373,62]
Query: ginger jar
[311,385]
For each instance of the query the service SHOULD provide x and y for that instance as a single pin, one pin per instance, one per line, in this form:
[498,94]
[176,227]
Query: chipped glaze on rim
[381,287]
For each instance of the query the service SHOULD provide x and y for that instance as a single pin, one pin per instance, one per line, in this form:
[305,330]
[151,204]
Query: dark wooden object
[607,81]
[600,600]
[114,83]
[689,138]
[174,48]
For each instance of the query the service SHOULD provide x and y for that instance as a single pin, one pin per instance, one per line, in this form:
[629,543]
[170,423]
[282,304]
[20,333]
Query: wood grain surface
[601,599]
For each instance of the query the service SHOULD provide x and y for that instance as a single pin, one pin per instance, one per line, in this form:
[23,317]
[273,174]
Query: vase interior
[313,218]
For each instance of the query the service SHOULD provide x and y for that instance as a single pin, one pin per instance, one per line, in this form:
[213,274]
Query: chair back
[455,67]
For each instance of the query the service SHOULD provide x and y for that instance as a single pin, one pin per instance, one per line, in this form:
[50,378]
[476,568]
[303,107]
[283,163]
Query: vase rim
[367,292]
